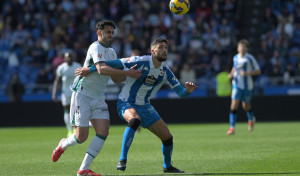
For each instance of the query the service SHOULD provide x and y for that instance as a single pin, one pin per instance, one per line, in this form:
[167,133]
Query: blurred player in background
[65,74]
[134,100]
[88,98]
[244,67]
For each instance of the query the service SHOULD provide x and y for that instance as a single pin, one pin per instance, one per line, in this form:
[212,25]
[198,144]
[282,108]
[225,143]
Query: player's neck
[156,63]
[242,54]
[103,43]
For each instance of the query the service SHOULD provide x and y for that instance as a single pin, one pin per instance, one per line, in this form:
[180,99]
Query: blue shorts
[147,113]
[240,94]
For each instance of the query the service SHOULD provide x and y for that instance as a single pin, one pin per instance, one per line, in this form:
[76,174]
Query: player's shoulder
[62,65]
[235,56]
[249,56]
[142,58]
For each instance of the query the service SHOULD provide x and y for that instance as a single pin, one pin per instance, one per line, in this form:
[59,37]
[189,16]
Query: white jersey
[139,91]
[246,64]
[66,72]
[94,85]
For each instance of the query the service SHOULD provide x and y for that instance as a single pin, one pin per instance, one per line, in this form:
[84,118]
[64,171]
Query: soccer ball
[179,7]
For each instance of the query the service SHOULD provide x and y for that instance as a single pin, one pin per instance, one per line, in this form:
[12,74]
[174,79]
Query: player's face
[107,35]
[160,51]
[242,48]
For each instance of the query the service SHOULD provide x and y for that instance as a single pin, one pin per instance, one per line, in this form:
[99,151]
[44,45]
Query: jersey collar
[105,46]
[152,65]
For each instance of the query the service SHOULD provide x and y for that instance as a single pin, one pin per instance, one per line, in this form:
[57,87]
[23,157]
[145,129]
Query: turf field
[199,149]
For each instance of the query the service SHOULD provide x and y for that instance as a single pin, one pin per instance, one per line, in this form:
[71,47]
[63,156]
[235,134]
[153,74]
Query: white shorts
[84,108]
[65,99]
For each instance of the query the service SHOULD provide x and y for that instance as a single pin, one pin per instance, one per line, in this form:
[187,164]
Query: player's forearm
[181,91]
[254,73]
[108,71]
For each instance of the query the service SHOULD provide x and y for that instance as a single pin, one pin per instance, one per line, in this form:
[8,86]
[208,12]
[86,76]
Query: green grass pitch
[199,149]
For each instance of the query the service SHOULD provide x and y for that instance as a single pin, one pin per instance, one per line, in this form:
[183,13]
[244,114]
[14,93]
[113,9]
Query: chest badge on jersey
[150,80]
[162,72]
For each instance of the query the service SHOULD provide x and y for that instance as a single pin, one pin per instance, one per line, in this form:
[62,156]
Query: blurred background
[36,34]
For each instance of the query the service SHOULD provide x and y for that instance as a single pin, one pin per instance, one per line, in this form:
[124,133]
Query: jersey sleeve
[97,54]
[115,64]
[59,70]
[130,61]
[254,63]
[171,78]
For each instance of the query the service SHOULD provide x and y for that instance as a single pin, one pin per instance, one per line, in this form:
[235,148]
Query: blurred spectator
[42,81]
[223,83]
[187,74]
[15,89]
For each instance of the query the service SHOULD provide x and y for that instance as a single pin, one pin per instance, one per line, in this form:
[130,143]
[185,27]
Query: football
[179,7]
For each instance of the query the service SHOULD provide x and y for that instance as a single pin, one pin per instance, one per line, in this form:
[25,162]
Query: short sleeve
[171,78]
[130,61]
[59,70]
[254,63]
[97,54]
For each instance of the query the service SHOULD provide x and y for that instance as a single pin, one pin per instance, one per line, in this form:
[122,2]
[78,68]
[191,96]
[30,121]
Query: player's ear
[98,32]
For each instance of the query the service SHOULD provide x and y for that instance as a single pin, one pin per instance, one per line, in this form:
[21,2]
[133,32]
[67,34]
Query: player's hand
[190,87]
[82,71]
[243,73]
[134,73]
[230,76]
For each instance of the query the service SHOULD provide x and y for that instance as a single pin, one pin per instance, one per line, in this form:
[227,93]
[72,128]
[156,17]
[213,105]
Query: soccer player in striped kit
[134,100]
[244,68]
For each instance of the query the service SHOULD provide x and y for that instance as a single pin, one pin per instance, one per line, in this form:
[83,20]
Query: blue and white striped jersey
[139,91]
[246,63]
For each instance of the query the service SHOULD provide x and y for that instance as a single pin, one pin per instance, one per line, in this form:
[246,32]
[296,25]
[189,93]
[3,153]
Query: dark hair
[101,24]
[245,42]
[158,40]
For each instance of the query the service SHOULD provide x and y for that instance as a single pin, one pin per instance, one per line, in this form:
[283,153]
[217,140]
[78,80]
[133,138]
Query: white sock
[70,141]
[93,150]
[67,120]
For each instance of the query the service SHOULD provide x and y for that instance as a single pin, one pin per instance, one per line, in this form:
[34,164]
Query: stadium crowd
[35,34]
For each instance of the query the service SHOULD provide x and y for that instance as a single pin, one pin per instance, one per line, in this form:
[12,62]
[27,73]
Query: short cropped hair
[245,42]
[101,24]
[157,41]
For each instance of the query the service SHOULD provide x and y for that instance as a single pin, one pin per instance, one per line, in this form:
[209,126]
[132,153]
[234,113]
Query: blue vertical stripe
[134,90]
[159,80]
[235,63]
[245,77]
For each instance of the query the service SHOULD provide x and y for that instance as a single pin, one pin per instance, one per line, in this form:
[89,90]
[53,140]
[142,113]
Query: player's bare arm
[230,76]
[251,73]
[55,85]
[104,69]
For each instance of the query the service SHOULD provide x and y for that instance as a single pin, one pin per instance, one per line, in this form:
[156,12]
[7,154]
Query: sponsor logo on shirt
[150,80]
[100,55]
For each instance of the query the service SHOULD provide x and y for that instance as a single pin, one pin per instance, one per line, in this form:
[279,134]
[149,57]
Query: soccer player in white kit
[65,74]
[244,67]
[88,98]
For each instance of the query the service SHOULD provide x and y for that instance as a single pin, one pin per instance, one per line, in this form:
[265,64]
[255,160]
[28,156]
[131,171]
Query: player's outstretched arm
[104,69]
[184,92]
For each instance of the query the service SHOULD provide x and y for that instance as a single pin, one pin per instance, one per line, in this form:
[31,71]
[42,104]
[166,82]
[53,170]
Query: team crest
[162,72]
